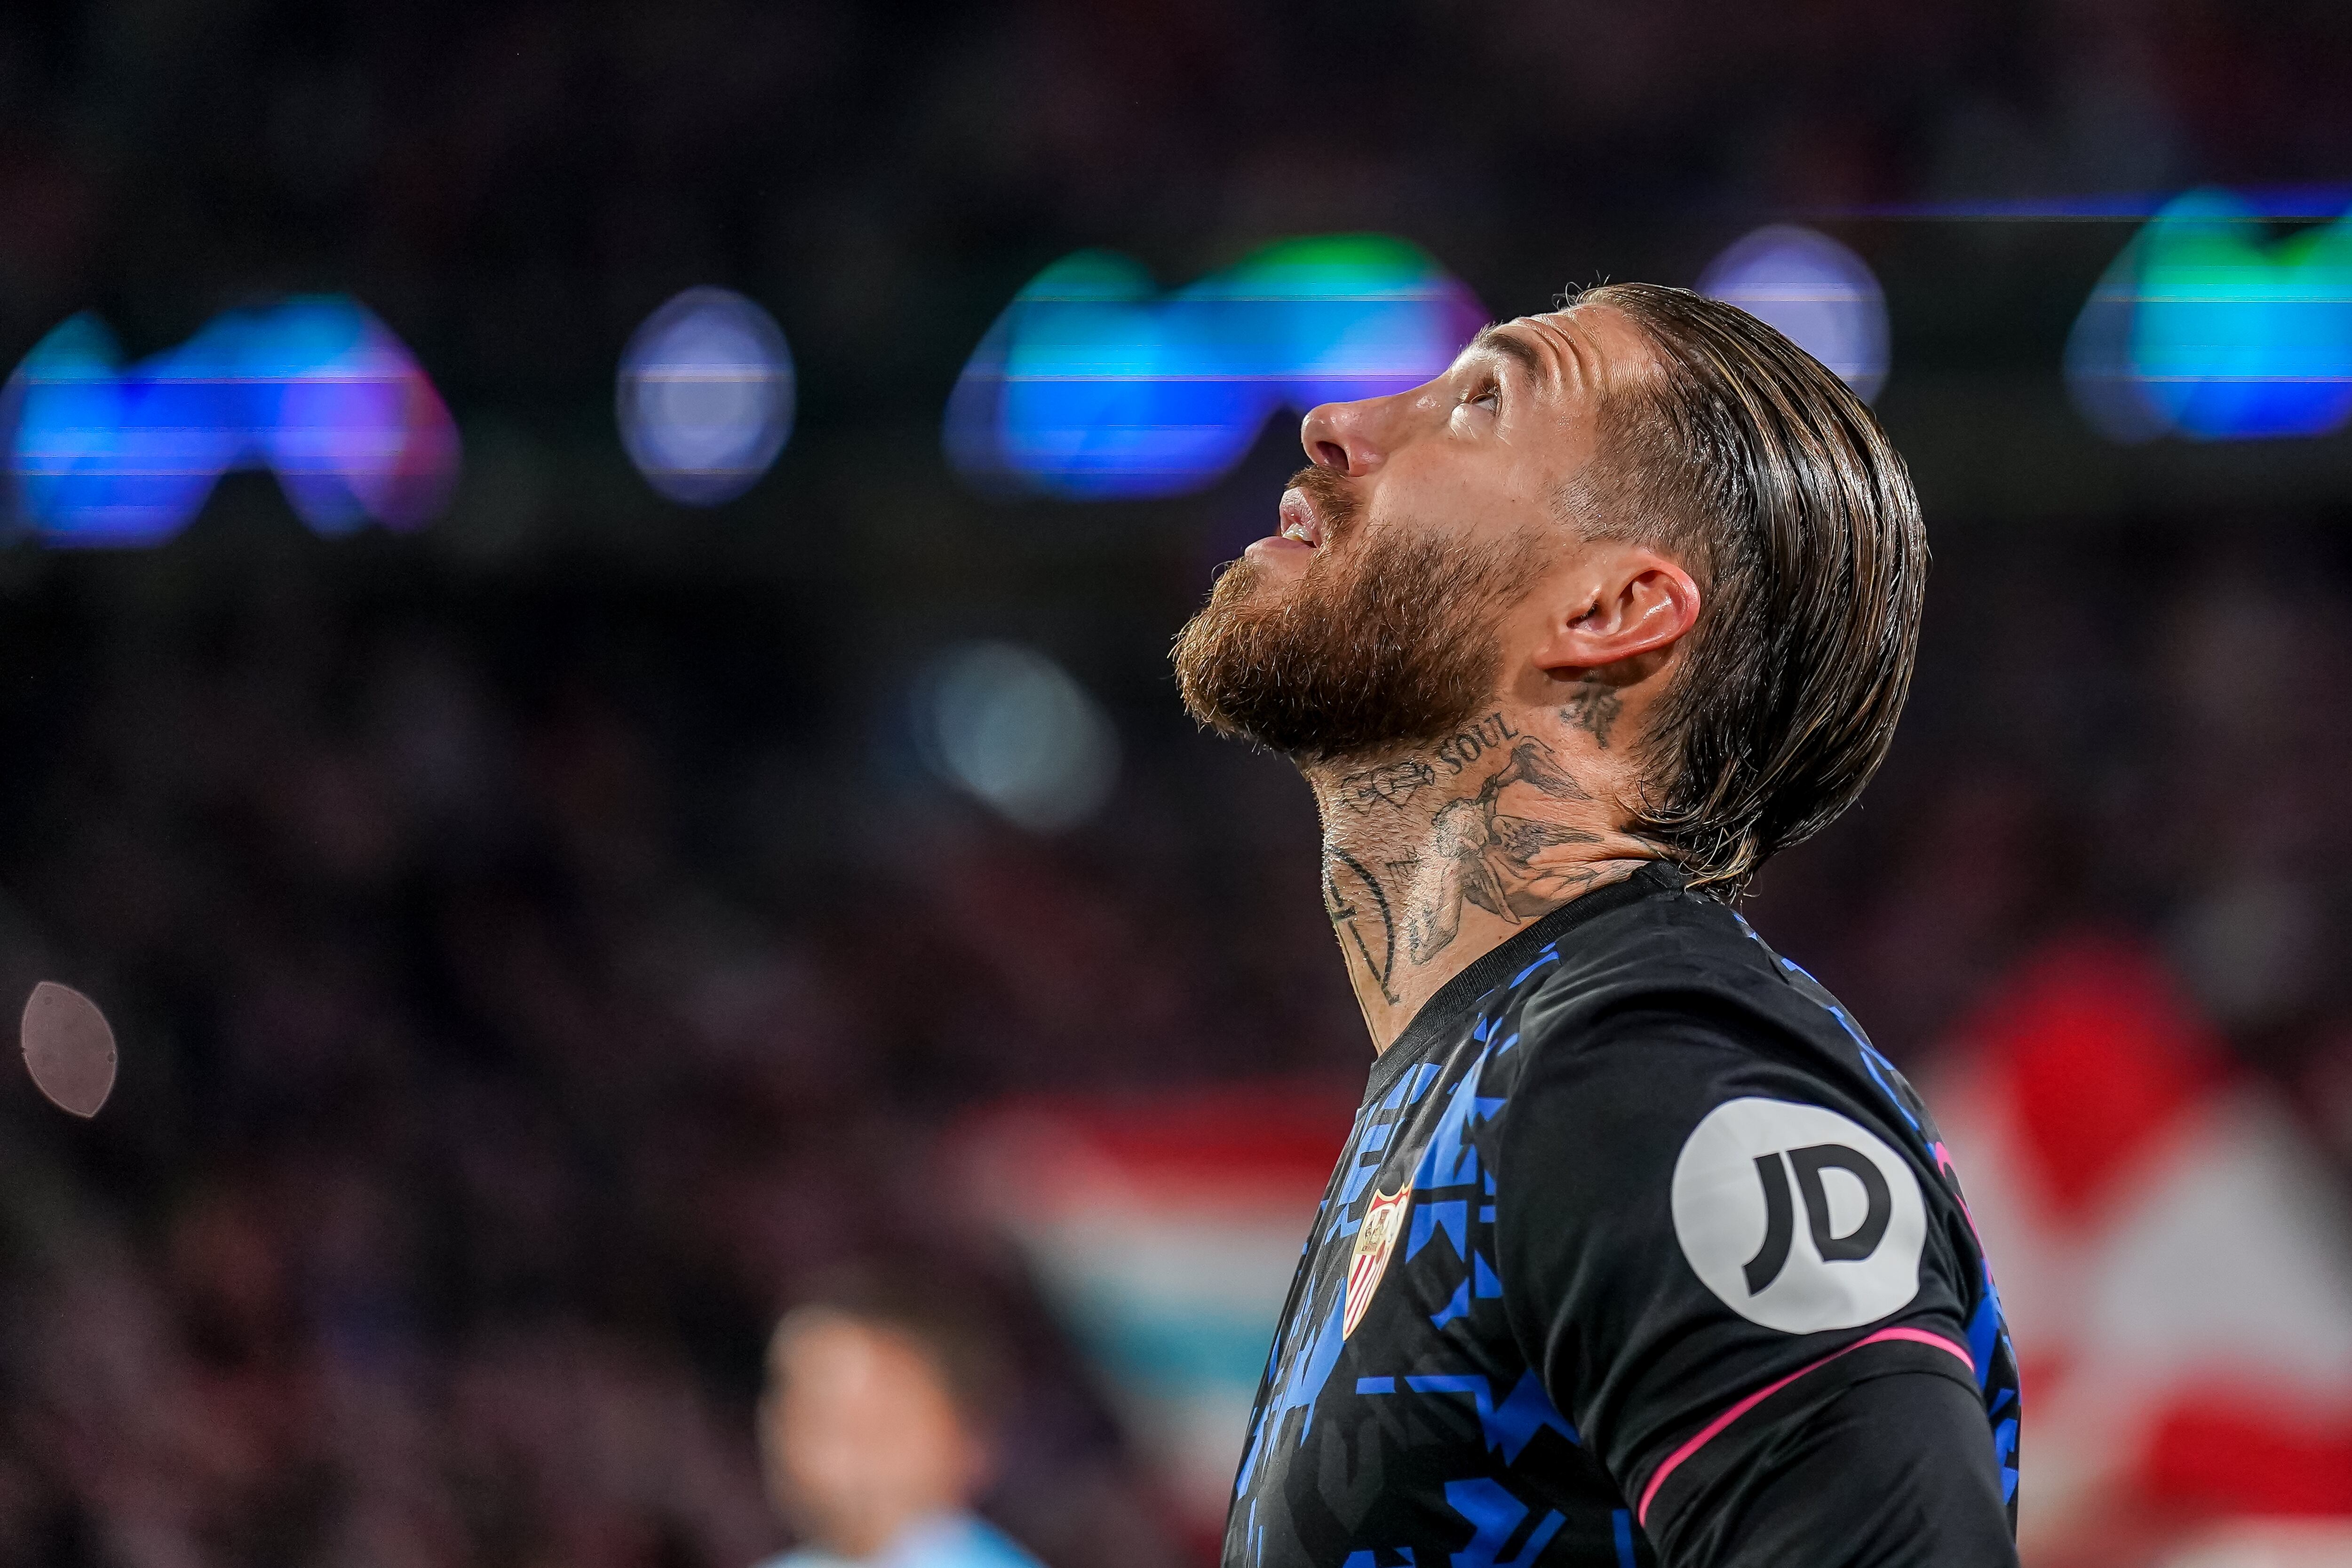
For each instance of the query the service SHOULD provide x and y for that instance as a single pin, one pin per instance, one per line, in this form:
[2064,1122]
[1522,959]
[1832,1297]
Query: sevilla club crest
[1375,1239]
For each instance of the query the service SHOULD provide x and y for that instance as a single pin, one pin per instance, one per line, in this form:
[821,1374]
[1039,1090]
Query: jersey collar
[1444,1014]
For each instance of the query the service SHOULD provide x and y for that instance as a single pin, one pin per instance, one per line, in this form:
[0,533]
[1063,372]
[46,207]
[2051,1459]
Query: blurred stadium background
[582,675]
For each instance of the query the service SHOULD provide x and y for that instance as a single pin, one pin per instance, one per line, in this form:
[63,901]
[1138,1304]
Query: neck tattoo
[1470,820]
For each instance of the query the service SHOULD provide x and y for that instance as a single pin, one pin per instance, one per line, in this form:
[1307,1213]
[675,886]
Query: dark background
[535,952]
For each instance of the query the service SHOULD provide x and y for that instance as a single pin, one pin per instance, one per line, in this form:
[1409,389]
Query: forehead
[821,1340]
[1582,351]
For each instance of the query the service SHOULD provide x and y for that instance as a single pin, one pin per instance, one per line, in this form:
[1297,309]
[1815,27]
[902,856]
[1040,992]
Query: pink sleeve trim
[1709,1432]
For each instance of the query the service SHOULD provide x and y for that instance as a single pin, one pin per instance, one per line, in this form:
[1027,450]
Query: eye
[1489,397]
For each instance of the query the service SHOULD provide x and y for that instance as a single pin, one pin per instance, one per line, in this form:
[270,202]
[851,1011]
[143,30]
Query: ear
[1627,600]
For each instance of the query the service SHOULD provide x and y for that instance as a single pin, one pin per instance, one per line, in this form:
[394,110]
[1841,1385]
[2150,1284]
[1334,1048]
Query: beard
[1385,642]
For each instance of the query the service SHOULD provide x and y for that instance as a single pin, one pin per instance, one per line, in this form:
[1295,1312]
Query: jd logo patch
[1798,1218]
[1375,1239]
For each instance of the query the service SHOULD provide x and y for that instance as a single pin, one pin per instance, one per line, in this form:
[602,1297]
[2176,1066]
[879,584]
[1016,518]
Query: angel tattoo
[1495,860]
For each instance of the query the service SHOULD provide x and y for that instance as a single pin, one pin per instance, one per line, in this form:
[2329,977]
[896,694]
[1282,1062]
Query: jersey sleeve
[1741,1293]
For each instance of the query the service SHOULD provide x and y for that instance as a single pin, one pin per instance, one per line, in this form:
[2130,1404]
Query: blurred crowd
[488,1084]
[514,1017]
[530,974]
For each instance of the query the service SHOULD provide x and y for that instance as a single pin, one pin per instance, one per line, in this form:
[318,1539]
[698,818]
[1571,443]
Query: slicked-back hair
[1774,485]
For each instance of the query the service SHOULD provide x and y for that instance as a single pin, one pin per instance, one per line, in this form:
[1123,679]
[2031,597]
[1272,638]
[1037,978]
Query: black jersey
[1638,1253]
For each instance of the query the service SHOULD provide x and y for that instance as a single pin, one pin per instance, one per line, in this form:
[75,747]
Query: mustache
[1335,503]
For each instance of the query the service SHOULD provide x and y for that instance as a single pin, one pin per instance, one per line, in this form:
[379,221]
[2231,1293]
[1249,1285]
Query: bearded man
[1638,1252]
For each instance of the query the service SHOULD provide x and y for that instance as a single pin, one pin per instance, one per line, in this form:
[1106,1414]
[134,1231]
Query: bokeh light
[315,388]
[2207,327]
[706,396]
[1093,384]
[1008,726]
[1817,292]
[68,1047]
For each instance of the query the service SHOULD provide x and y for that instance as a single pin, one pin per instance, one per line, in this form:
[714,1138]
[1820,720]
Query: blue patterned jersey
[1638,1253]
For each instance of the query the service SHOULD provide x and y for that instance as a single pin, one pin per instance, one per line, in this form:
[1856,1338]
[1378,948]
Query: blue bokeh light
[2207,327]
[706,396]
[1092,384]
[315,388]
[1817,292]
[1011,728]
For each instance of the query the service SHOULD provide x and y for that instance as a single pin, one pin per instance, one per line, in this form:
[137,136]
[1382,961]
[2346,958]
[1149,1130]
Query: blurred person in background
[877,1431]
[1639,1251]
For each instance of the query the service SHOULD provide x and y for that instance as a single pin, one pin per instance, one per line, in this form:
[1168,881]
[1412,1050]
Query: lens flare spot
[68,1047]
[1009,727]
[2206,326]
[1817,292]
[1093,384]
[315,389]
[706,396]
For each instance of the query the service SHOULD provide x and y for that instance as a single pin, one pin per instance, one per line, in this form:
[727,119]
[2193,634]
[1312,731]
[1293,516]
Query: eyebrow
[1499,341]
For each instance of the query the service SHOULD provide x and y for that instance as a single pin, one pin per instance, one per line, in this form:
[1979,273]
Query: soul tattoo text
[1410,910]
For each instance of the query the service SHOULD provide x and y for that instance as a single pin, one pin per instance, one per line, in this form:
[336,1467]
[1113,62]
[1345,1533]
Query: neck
[1433,857]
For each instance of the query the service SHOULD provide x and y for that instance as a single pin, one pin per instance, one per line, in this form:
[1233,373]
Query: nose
[1343,436]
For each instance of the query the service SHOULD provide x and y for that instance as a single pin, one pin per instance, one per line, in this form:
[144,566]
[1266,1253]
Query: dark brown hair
[954,1331]
[1775,486]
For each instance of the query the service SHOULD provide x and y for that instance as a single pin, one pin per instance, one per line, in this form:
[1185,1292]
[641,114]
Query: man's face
[1382,614]
[861,1435]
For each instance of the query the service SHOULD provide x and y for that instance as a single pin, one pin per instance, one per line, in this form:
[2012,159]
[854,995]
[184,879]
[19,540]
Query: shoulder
[956,1541]
[1664,1010]
[1679,964]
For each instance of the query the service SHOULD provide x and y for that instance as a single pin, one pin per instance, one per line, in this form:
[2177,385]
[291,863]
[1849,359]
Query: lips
[1298,519]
